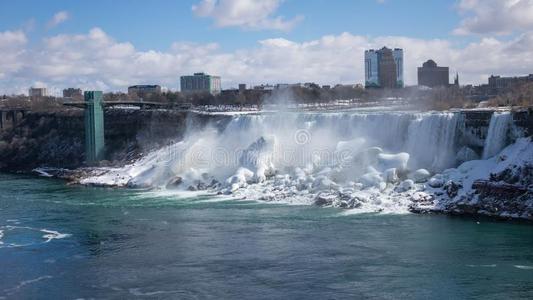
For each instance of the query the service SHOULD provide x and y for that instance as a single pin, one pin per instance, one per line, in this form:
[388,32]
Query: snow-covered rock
[466,154]
[420,175]
[500,186]
[406,185]
[436,181]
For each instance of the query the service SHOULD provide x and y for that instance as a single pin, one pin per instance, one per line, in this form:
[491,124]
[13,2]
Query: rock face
[53,139]
[498,187]
[56,139]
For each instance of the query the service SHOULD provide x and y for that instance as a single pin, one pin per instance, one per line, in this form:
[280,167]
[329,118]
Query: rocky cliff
[56,139]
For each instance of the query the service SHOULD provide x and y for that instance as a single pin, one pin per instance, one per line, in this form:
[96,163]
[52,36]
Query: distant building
[311,85]
[143,90]
[431,75]
[37,92]
[498,84]
[242,87]
[200,83]
[384,68]
[72,93]
[264,87]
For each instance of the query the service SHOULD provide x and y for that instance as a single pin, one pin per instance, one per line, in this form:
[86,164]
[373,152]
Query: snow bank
[499,186]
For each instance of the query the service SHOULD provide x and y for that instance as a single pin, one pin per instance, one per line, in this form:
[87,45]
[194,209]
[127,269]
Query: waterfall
[373,161]
[497,135]
[431,140]
[368,157]
[283,142]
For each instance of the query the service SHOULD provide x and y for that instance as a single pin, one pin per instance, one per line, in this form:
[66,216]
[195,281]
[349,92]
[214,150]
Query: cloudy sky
[109,45]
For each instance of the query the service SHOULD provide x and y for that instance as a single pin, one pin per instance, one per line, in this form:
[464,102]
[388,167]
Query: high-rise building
[371,69]
[72,93]
[384,68]
[387,69]
[143,90]
[37,92]
[431,75]
[200,83]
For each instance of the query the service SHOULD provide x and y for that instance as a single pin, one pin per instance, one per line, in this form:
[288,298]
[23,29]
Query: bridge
[141,105]
[10,117]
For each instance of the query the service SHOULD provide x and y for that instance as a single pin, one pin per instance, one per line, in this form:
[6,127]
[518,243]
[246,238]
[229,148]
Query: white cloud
[58,18]
[495,16]
[12,48]
[97,61]
[247,14]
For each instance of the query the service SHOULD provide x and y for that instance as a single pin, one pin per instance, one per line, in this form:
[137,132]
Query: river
[60,241]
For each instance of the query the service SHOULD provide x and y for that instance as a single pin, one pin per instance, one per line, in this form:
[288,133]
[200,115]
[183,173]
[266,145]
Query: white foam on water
[171,194]
[53,235]
[139,293]
[43,172]
[523,267]
[482,266]
[48,236]
[24,283]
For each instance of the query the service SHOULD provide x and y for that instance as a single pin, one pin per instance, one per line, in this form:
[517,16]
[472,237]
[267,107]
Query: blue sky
[159,23]
[111,44]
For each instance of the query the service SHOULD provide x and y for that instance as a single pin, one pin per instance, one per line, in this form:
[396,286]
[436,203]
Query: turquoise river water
[68,242]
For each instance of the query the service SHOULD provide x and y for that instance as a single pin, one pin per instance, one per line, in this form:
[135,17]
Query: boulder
[405,186]
[175,182]
[325,199]
[420,175]
[466,154]
[436,181]
[452,188]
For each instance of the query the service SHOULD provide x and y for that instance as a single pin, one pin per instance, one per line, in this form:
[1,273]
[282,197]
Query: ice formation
[371,161]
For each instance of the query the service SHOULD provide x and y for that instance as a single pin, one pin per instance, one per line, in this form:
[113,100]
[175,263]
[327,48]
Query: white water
[497,134]
[293,157]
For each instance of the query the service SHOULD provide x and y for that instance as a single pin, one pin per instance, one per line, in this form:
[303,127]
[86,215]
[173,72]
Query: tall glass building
[376,60]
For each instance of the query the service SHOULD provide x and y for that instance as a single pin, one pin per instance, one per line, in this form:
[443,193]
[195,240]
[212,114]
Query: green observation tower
[94,126]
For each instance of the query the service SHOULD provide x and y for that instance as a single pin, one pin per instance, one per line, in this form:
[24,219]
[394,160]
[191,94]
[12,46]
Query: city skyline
[109,47]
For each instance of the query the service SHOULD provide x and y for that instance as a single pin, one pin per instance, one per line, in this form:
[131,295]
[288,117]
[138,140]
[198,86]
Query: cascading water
[360,159]
[431,140]
[497,134]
